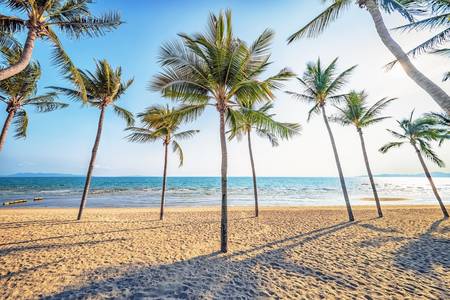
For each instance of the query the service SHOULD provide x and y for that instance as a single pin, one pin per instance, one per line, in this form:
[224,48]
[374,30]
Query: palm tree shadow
[423,253]
[245,273]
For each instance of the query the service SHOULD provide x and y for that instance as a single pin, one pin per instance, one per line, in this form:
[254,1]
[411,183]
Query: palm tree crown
[438,18]
[217,66]
[357,112]
[321,85]
[161,123]
[249,118]
[419,133]
[20,91]
[103,88]
[42,17]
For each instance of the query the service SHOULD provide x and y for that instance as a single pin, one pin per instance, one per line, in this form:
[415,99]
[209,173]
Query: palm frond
[124,114]
[21,124]
[176,148]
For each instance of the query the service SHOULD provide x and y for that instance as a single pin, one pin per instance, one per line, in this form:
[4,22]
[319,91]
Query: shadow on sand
[245,273]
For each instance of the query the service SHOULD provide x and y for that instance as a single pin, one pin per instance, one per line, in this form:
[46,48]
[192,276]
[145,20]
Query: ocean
[205,191]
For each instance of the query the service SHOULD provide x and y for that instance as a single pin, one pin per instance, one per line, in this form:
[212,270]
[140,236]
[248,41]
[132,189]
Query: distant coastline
[18,175]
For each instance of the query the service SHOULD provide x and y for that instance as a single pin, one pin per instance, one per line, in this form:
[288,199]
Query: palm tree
[321,86]
[356,112]
[162,123]
[420,133]
[19,92]
[218,69]
[334,10]
[103,89]
[40,20]
[248,119]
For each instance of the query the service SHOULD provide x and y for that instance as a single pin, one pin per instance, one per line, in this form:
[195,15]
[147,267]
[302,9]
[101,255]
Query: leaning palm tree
[19,92]
[356,112]
[162,123]
[104,87]
[217,68]
[250,119]
[419,133]
[374,7]
[321,86]
[41,18]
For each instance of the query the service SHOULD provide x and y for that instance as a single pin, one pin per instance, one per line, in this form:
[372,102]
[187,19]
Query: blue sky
[61,141]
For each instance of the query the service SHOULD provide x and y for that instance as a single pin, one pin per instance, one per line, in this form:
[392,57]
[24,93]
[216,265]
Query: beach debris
[38,199]
[14,202]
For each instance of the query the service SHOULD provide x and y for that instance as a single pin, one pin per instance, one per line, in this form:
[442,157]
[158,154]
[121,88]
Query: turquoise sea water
[201,191]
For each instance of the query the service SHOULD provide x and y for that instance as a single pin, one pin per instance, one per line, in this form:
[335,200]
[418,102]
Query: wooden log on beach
[8,203]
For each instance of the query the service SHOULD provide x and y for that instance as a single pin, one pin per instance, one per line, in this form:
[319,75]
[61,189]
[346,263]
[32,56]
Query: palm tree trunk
[8,121]
[338,164]
[255,188]
[369,173]
[161,211]
[430,179]
[438,94]
[24,60]
[224,167]
[91,163]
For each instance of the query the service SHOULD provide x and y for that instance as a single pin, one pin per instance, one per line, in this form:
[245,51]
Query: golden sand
[286,253]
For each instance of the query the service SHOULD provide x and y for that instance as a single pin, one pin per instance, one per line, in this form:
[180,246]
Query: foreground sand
[288,253]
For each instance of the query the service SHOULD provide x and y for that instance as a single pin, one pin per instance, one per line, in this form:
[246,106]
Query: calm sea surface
[202,191]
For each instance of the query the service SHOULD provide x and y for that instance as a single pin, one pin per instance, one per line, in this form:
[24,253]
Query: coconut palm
[104,88]
[40,19]
[250,119]
[374,7]
[358,113]
[218,69]
[419,133]
[321,86]
[19,92]
[162,123]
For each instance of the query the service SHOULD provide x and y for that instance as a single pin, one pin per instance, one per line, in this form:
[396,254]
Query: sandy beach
[286,253]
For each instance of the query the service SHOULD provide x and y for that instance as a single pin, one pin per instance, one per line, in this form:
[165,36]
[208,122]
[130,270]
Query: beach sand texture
[290,253]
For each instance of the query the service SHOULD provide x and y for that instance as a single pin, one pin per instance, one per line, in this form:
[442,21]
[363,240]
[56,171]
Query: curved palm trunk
[438,94]
[255,188]
[24,59]
[430,179]
[161,211]
[338,165]
[8,121]
[224,167]
[91,163]
[369,173]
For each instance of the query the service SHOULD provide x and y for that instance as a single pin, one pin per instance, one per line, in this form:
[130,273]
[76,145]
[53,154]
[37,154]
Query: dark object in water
[14,202]
[38,199]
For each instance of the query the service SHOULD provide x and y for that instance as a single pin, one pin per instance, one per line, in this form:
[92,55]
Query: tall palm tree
[250,119]
[356,112]
[321,86]
[41,18]
[104,88]
[335,9]
[217,68]
[162,123]
[419,133]
[19,92]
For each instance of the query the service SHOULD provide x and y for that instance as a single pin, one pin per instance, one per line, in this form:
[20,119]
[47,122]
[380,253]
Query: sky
[61,141]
